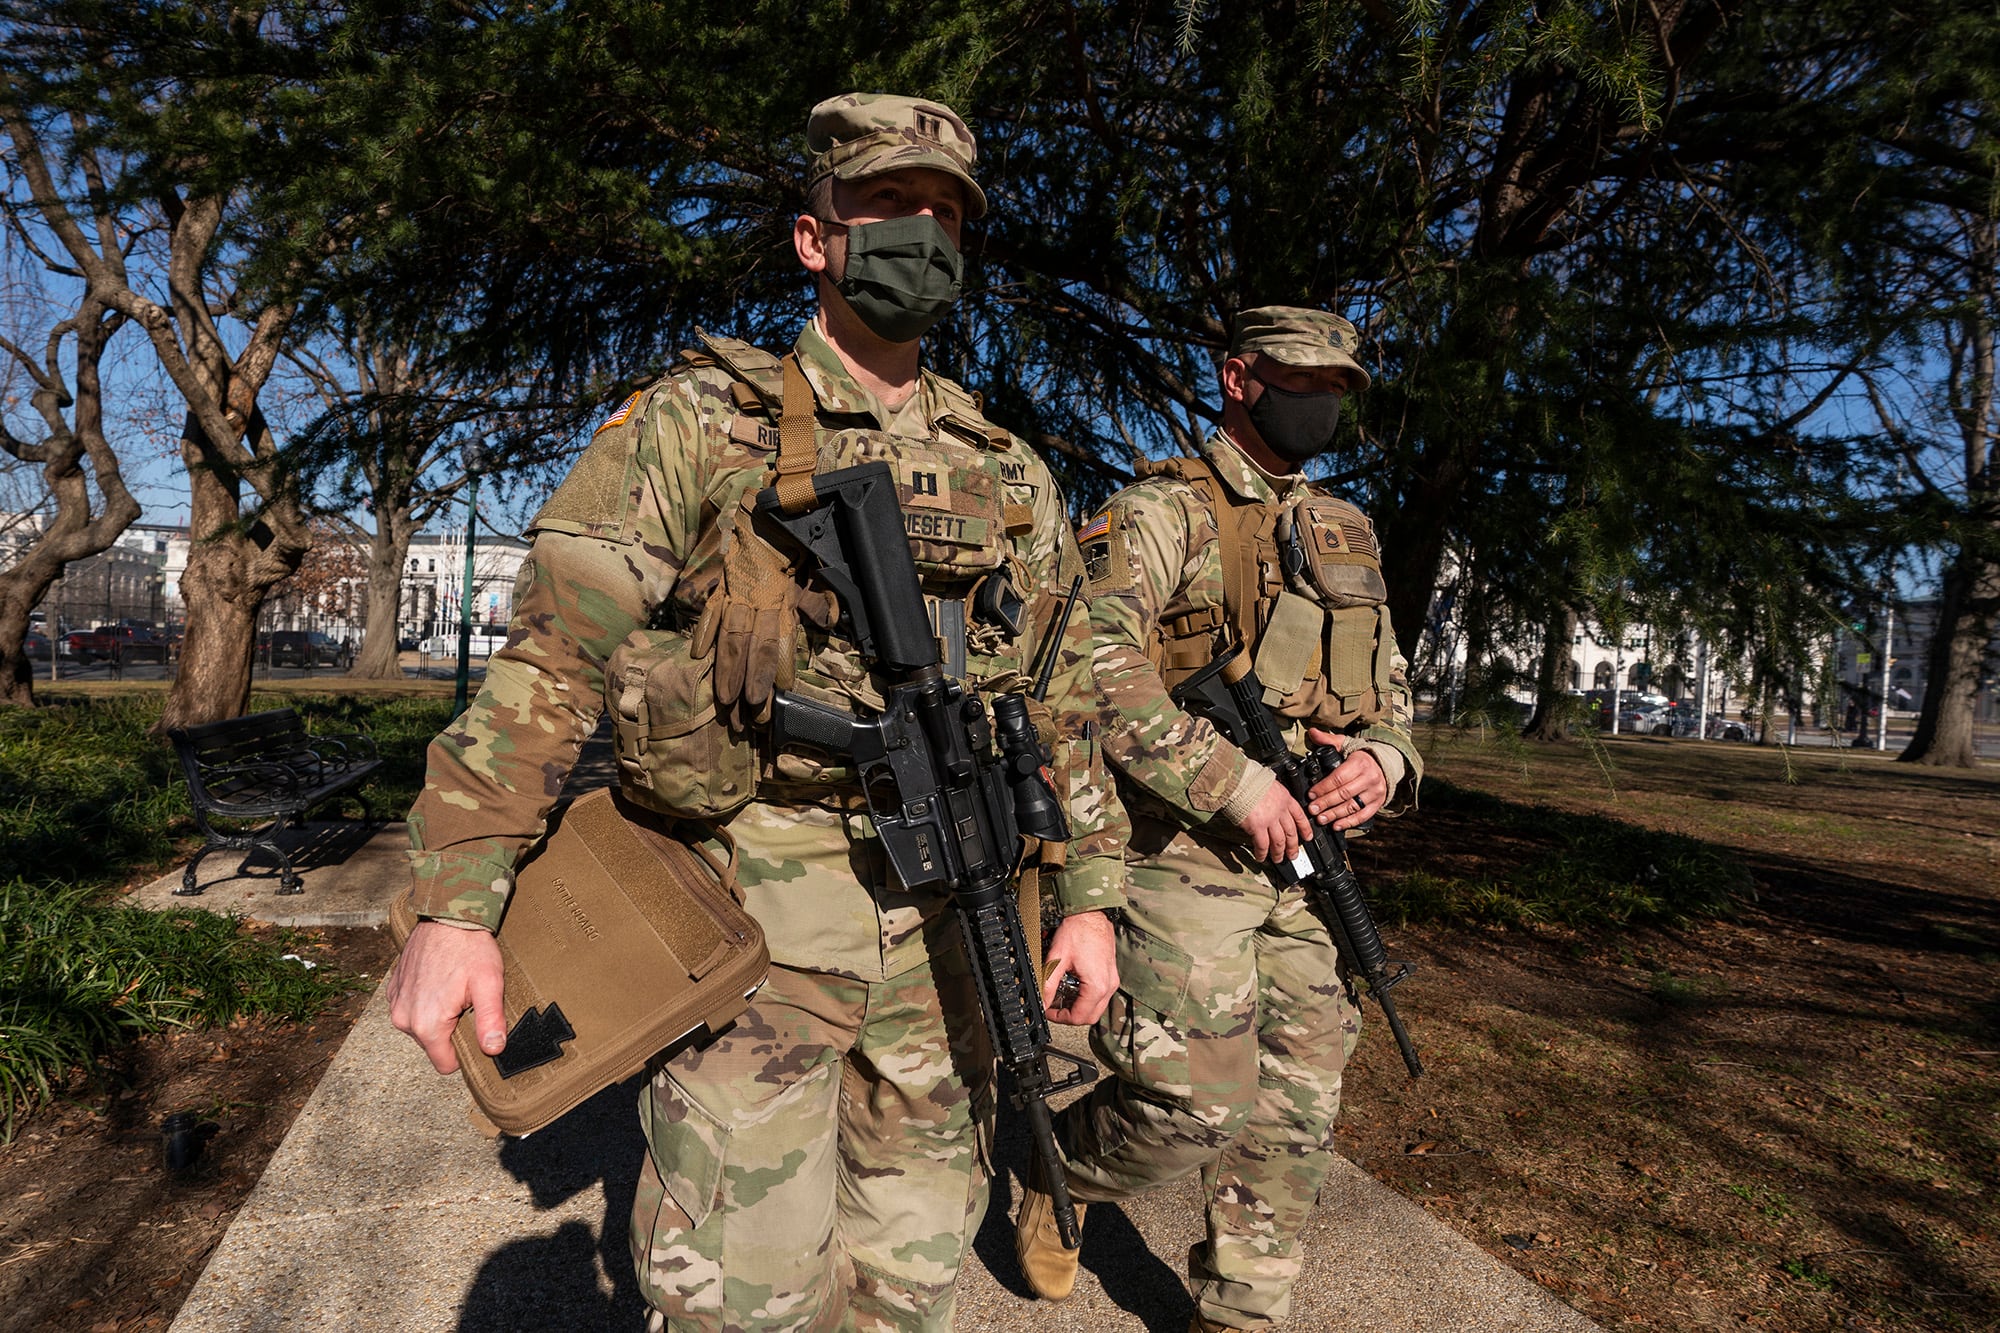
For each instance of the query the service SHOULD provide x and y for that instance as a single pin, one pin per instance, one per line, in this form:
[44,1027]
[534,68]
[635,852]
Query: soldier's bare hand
[1351,794]
[442,972]
[1086,945]
[1276,826]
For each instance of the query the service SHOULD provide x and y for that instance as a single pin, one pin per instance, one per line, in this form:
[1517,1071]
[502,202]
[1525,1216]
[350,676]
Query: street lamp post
[475,463]
[1701,706]
[1888,644]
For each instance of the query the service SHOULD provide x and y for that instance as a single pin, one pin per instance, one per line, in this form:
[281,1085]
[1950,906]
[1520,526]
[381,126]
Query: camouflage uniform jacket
[1154,552]
[635,528]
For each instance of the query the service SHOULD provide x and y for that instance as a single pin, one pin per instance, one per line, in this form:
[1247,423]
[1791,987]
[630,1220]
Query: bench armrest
[345,748]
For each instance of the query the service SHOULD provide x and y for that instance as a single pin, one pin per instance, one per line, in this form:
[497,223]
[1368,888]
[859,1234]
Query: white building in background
[1647,661]
[434,583]
[139,577]
[1673,664]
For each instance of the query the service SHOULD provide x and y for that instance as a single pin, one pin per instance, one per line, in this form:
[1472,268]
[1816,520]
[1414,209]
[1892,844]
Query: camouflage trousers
[1227,1038]
[822,1163]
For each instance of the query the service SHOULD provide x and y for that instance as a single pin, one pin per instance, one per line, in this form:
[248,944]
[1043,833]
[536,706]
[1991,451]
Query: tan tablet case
[618,941]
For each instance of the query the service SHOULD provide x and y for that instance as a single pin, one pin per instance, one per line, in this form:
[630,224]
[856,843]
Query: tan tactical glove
[752,624]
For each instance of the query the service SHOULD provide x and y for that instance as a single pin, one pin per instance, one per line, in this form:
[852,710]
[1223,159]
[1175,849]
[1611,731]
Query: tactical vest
[675,754]
[1302,592]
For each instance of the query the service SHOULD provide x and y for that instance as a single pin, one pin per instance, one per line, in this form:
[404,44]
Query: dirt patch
[97,1234]
[1786,1120]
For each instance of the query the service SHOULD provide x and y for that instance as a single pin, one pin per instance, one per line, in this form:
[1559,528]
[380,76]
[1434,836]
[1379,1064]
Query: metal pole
[1701,657]
[1888,642]
[1617,682]
[465,601]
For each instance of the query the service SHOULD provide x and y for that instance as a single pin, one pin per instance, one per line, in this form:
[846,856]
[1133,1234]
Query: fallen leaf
[1426,1146]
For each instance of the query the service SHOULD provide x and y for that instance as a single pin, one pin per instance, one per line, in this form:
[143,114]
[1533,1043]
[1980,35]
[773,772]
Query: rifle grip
[797,723]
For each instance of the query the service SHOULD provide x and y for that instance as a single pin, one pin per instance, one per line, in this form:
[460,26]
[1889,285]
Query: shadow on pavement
[552,1281]
[320,843]
[1133,1277]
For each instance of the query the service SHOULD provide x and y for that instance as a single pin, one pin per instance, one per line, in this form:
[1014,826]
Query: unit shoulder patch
[1105,561]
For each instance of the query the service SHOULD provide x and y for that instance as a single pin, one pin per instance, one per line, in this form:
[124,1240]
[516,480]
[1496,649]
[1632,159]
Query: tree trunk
[1551,719]
[73,535]
[233,560]
[388,550]
[17,669]
[1414,535]
[1956,664]
[214,679]
[1970,604]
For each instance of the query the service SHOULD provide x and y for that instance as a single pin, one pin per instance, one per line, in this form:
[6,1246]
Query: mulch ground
[1787,1120]
[97,1234]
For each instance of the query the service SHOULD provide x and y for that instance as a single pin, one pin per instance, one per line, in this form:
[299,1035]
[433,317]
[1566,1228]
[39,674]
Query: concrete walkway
[385,1210]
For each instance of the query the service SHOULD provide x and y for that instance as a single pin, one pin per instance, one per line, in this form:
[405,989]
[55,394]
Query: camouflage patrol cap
[865,134]
[1298,336]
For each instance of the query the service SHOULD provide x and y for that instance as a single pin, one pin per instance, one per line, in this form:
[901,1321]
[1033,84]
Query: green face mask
[902,275]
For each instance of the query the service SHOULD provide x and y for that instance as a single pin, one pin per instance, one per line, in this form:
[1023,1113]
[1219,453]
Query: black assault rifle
[1228,693]
[950,811]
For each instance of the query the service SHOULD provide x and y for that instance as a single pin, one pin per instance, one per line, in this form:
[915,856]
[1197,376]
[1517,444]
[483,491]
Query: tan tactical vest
[1302,591]
[675,754]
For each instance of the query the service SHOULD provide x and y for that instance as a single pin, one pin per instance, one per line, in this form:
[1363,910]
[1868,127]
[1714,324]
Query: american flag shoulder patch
[619,417]
[1097,527]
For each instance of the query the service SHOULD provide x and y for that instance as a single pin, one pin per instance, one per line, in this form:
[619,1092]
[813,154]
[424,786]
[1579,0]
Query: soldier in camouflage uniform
[822,1163]
[1232,1025]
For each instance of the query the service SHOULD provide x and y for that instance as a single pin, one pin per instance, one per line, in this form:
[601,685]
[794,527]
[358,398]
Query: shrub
[80,977]
[87,797]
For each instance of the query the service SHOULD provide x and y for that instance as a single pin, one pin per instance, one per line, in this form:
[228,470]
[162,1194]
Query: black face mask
[902,275]
[1297,426]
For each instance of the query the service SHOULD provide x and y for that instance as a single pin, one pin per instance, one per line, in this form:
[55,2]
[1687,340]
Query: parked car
[1641,720]
[486,640]
[126,643]
[36,646]
[301,648]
